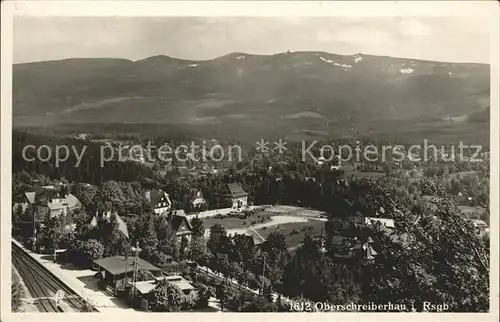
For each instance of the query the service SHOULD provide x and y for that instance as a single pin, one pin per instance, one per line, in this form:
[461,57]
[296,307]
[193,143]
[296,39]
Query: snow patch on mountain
[326,60]
[193,65]
[358,59]
[240,57]
[335,63]
[342,65]
[407,70]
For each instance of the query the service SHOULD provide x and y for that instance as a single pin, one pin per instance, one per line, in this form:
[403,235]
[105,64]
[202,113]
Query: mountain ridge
[245,53]
[284,92]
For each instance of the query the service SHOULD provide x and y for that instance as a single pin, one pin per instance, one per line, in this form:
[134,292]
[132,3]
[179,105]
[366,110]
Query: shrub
[159,258]
[204,293]
[165,297]
[144,275]
[88,252]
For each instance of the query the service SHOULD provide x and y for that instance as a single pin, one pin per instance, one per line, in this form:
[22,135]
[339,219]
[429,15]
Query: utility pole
[136,251]
[34,230]
[126,271]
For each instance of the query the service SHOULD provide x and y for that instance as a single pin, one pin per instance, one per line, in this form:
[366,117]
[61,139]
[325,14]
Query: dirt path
[257,233]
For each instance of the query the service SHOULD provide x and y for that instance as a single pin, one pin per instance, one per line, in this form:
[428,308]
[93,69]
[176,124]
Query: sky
[451,39]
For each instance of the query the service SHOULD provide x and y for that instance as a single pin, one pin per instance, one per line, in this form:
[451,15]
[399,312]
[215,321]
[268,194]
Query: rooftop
[235,190]
[51,198]
[145,287]
[177,280]
[117,265]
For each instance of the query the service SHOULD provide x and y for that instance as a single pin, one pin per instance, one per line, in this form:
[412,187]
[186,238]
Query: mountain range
[292,94]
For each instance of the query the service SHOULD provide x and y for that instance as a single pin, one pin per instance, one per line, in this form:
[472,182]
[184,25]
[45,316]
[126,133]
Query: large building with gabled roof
[236,195]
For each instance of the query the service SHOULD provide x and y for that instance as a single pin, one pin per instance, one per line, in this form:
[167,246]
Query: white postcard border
[488,9]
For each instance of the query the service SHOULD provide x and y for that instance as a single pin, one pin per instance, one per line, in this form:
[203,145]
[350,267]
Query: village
[128,280]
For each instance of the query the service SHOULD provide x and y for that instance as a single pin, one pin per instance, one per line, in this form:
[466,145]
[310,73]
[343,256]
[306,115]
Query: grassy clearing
[294,232]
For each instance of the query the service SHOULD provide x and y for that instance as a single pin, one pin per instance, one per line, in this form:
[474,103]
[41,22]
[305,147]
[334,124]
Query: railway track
[43,285]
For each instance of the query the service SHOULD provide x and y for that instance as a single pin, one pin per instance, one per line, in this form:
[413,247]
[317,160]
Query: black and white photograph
[315,158]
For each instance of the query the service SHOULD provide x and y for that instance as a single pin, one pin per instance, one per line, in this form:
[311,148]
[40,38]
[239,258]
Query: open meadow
[291,221]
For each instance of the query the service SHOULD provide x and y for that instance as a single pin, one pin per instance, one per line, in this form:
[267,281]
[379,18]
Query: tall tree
[217,232]
[439,258]
[224,293]
[197,250]
[146,236]
[51,233]
[198,228]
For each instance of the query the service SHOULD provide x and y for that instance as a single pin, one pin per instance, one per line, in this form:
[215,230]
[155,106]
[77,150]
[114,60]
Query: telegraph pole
[136,251]
[34,230]
[126,271]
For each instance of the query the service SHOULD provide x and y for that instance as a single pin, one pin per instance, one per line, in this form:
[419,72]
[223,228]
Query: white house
[198,201]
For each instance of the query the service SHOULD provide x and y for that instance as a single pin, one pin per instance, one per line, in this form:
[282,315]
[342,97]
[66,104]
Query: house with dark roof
[159,201]
[115,269]
[179,223]
[236,195]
